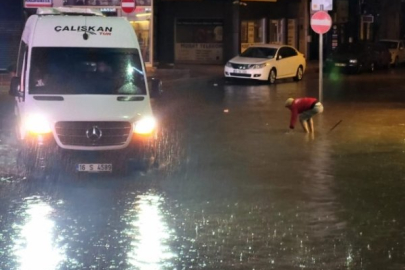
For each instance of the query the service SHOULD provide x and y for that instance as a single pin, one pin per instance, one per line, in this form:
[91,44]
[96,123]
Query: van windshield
[86,71]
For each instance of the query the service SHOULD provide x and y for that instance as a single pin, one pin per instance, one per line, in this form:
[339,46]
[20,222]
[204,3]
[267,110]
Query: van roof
[69,11]
[79,31]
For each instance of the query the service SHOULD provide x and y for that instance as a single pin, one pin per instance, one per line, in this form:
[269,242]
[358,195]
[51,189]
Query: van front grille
[93,133]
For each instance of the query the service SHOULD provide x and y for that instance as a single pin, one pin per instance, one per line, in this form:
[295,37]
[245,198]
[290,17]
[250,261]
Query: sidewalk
[192,72]
[179,73]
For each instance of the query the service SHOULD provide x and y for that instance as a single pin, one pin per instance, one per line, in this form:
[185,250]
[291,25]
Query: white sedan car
[267,62]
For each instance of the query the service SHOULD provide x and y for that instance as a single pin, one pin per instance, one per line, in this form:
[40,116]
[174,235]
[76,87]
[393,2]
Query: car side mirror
[279,57]
[15,87]
[156,88]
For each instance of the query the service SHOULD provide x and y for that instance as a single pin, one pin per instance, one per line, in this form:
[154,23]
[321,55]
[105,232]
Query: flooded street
[234,189]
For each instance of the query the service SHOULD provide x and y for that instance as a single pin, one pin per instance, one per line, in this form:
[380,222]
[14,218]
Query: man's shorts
[318,108]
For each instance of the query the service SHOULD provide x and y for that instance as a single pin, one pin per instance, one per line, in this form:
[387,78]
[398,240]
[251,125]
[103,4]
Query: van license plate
[94,167]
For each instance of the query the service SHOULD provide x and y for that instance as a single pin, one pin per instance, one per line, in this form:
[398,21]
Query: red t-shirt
[300,105]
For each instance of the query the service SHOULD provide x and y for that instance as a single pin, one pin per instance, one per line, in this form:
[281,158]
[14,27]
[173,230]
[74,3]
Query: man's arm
[294,116]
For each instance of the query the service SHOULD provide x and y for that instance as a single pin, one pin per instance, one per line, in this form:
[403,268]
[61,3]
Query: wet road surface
[233,190]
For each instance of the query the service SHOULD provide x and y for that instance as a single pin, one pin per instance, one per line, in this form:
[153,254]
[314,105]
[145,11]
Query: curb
[187,82]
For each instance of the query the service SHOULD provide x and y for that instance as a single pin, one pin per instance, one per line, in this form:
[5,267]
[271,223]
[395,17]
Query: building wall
[231,12]
[11,26]
[166,13]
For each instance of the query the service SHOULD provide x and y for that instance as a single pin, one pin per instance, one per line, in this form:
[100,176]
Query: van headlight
[353,61]
[37,124]
[145,126]
[257,66]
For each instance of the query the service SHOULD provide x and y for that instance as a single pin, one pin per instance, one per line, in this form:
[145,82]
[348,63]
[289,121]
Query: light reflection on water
[149,232]
[34,246]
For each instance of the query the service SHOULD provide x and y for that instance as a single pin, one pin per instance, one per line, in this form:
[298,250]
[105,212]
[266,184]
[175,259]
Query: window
[258,52]
[290,52]
[86,71]
[283,53]
[21,57]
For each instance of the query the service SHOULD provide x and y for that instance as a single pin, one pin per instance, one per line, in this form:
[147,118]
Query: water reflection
[34,246]
[150,234]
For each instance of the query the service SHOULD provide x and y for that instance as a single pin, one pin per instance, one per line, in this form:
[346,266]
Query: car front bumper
[261,74]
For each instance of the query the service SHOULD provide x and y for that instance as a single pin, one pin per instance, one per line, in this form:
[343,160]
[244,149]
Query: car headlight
[145,125]
[228,64]
[353,61]
[257,66]
[38,124]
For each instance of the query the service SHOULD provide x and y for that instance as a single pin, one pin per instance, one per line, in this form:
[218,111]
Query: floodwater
[234,189]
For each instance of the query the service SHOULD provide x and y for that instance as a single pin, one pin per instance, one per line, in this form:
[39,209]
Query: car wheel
[300,74]
[272,76]
[396,62]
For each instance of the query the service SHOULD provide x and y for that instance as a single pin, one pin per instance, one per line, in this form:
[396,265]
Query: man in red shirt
[305,108]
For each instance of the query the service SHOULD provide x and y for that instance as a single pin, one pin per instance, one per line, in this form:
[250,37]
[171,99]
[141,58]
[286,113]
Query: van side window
[22,54]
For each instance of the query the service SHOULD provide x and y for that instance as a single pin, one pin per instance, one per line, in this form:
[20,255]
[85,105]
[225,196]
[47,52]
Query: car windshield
[390,44]
[259,52]
[350,48]
[86,71]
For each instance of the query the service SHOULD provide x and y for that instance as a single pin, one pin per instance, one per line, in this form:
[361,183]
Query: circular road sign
[128,6]
[321,22]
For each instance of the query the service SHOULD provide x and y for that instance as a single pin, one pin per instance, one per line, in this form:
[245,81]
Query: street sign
[321,22]
[322,5]
[367,18]
[128,6]
[37,3]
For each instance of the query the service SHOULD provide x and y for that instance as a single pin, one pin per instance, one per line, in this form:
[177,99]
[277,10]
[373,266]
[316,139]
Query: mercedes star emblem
[94,133]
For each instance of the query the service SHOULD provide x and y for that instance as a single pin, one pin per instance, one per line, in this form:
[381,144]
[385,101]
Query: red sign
[128,6]
[321,22]
[37,3]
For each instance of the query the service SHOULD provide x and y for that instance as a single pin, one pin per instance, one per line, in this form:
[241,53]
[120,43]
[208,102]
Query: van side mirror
[15,87]
[156,89]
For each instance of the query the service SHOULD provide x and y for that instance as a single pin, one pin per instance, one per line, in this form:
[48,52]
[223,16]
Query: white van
[81,92]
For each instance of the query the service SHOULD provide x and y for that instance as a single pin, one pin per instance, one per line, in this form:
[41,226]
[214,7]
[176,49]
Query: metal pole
[321,65]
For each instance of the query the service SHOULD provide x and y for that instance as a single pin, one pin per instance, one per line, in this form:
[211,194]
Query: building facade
[11,26]
[213,31]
